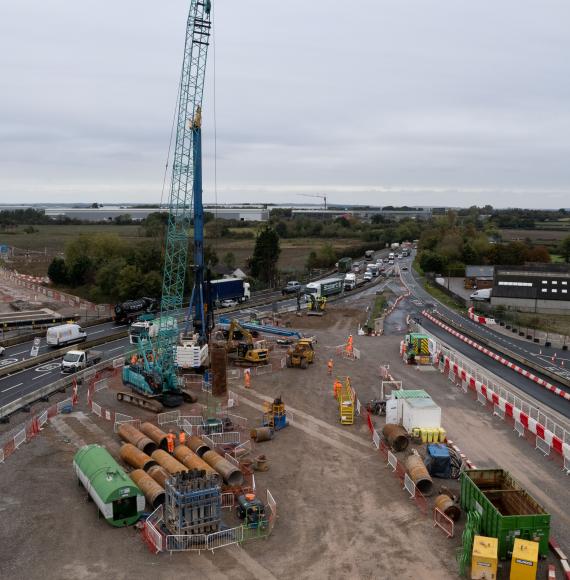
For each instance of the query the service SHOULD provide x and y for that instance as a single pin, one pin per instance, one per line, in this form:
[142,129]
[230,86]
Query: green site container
[507,510]
[119,500]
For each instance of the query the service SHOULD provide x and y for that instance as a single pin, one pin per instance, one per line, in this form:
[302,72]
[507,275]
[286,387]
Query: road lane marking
[117,348]
[12,387]
[97,331]
[40,376]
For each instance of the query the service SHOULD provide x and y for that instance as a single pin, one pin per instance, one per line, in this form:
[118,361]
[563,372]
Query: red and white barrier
[480,319]
[514,367]
[506,409]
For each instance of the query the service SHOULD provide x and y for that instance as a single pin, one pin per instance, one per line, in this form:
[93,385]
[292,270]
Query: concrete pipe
[135,457]
[153,492]
[159,474]
[197,445]
[156,434]
[231,474]
[419,474]
[448,506]
[261,434]
[192,461]
[132,435]
[396,436]
[171,465]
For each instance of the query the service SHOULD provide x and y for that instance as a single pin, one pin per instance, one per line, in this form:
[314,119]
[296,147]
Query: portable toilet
[524,563]
[484,558]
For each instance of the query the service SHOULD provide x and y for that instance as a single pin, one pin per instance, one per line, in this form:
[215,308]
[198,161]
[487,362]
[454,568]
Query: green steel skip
[119,500]
[507,511]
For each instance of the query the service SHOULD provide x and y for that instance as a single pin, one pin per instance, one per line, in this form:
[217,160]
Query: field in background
[50,240]
[548,238]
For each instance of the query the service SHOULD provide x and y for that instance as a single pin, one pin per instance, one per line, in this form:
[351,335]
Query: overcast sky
[447,102]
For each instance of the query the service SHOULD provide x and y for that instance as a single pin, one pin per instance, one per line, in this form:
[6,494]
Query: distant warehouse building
[479,277]
[533,288]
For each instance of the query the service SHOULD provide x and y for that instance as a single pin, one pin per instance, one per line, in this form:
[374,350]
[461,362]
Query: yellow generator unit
[524,563]
[484,558]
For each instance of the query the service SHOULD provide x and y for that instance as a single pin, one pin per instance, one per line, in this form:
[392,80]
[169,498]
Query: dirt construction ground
[341,512]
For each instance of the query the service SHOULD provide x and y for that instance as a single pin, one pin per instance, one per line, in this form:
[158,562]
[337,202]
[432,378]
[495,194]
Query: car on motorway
[404,267]
[2,351]
[292,287]
[228,303]
[367,276]
[386,260]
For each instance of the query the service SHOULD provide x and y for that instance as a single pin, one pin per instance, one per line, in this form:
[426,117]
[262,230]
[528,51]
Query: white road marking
[117,348]
[40,376]
[97,331]
[12,387]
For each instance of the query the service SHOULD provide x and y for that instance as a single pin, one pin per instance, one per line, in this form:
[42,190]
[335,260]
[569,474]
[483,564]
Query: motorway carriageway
[15,386]
[529,387]
[540,355]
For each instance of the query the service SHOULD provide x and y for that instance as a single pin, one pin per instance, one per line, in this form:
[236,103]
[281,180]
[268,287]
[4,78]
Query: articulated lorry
[325,288]
[126,312]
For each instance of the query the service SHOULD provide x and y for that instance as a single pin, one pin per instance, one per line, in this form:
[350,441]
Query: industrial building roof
[479,271]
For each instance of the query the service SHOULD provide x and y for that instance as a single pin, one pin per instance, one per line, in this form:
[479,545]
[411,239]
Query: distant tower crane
[156,377]
[319,195]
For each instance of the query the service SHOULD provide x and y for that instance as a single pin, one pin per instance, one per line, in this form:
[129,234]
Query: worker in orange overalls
[247,378]
[337,387]
[349,344]
[330,365]
[134,359]
[182,437]
[170,441]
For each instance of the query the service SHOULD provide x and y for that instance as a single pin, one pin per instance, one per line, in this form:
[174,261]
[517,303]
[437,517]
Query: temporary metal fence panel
[271,503]
[136,423]
[358,406]
[233,400]
[566,466]
[231,459]
[226,438]
[376,439]
[356,353]
[465,386]
[151,524]
[168,417]
[410,486]
[118,362]
[207,387]
[65,404]
[443,522]
[243,448]
[519,428]
[542,445]
[451,375]
[498,412]
[19,438]
[481,399]
[228,500]
[392,461]
[225,538]
[264,370]
[233,374]
[96,408]
[1,455]
[42,419]
[186,543]
[100,385]
[193,380]
[237,421]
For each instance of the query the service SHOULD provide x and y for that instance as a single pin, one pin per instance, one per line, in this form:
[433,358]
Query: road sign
[4,249]
[35,347]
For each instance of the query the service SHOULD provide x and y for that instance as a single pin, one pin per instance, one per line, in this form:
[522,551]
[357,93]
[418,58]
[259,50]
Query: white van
[482,295]
[65,334]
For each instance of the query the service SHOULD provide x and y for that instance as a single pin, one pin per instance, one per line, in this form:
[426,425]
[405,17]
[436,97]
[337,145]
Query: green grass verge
[442,297]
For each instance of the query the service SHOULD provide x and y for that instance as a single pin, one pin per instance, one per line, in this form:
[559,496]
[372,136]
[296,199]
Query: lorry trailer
[325,288]
[229,289]
[126,312]
[118,499]
[344,265]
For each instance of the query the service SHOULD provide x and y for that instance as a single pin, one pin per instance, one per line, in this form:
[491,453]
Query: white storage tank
[420,412]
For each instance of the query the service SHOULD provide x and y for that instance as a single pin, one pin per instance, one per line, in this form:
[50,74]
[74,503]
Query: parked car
[228,303]
[292,287]
[483,295]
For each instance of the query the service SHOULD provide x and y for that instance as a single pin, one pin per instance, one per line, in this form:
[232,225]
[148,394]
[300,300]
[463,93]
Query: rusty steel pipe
[188,458]
[153,493]
[419,474]
[135,457]
[171,465]
[396,436]
[448,506]
[197,445]
[260,434]
[232,475]
[159,474]
[156,434]
[132,435]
